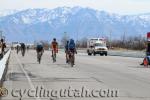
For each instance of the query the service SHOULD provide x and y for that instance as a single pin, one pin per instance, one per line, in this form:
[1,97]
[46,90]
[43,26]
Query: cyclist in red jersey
[54,47]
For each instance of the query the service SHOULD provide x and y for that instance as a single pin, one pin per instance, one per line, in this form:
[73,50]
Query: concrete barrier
[3,63]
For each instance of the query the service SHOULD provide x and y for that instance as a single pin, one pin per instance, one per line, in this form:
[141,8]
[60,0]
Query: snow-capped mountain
[35,24]
[7,12]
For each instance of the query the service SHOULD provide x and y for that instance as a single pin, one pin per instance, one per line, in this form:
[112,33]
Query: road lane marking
[27,76]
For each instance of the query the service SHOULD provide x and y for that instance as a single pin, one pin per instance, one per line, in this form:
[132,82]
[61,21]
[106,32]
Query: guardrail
[3,63]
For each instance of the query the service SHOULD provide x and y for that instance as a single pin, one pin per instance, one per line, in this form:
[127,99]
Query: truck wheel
[94,53]
[89,54]
[101,54]
[105,54]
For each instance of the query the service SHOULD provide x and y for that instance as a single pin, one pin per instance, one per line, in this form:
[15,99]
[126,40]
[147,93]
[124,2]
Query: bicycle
[39,56]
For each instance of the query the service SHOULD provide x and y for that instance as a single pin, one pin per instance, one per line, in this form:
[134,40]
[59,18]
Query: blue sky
[114,6]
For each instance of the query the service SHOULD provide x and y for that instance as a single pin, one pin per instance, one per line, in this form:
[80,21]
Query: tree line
[130,42]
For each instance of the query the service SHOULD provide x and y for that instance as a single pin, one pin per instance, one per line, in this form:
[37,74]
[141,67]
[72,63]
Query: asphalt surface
[92,78]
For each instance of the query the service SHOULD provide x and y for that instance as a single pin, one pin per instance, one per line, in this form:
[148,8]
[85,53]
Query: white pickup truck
[97,46]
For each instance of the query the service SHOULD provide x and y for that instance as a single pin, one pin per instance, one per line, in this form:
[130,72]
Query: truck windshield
[99,44]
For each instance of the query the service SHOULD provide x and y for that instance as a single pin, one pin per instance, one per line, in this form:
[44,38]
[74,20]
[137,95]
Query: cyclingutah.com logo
[66,92]
[3,92]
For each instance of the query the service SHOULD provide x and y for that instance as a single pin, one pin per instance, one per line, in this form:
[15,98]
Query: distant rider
[17,48]
[54,47]
[23,48]
[67,51]
[72,48]
[28,47]
[39,50]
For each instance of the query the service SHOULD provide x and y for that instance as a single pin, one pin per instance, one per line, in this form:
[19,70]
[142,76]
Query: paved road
[93,78]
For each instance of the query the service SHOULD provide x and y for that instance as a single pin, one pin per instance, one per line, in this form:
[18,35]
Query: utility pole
[1,33]
[110,38]
[124,37]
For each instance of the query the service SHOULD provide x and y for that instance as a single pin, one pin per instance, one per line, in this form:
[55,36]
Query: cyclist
[146,60]
[54,47]
[40,51]
[17,48]
[28,48]
[23,48]
[66,51]
[72,49]
[2,48]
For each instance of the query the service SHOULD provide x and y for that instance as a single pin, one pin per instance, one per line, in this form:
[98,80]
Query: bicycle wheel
[54,57]
[23,52]
[72,59]
[39,57]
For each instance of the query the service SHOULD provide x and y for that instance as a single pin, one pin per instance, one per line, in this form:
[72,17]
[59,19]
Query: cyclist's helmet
[2,40]
[54,39]
[72,40]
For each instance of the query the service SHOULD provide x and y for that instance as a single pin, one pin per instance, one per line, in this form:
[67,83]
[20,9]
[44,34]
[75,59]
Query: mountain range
[77,22]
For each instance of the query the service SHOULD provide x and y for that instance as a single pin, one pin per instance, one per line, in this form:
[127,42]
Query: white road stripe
[27,76]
